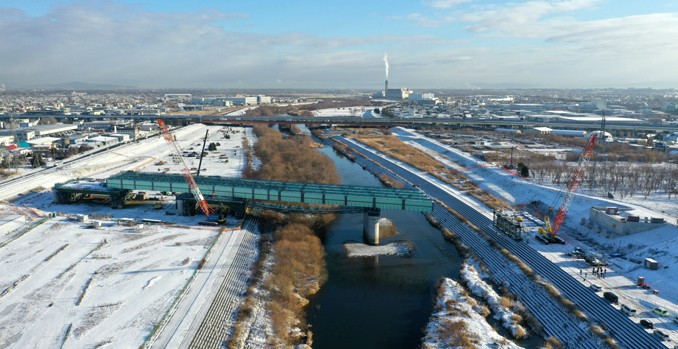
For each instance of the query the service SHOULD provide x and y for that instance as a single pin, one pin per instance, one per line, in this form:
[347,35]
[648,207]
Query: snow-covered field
[77,284]
[620,279]
[363,112]
[107,285]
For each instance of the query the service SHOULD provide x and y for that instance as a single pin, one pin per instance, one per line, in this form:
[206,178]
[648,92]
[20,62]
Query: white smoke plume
[386,64]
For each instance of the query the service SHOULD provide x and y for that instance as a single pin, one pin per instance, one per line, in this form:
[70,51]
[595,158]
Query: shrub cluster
[299,272]
[299,269]
[291,159]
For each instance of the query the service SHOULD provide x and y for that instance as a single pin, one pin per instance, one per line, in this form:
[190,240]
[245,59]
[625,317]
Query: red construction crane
[192,185]
[572,185]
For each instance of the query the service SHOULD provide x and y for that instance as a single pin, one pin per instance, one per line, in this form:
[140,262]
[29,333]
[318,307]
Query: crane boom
[192,185]
[573,183]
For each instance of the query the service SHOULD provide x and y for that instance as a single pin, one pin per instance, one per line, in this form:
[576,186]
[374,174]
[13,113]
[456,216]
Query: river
[378,302]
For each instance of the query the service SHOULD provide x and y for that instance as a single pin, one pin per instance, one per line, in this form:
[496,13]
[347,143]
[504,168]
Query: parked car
[596,287]
[628,310]
[646,323]
[661,335]
[611,297]
[660,311]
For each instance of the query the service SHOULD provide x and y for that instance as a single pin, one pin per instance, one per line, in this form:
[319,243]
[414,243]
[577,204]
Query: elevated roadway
[375,122]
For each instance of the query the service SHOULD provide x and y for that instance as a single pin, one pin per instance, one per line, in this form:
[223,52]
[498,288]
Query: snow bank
[455,322]
[399,248]
[480,288]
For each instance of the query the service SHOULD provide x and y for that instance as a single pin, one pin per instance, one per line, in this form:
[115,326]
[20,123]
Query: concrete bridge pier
[371,226]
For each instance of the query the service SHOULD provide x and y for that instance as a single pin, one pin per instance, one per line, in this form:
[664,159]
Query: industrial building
[423,98]
[398,93]
[227,101]
[614,221]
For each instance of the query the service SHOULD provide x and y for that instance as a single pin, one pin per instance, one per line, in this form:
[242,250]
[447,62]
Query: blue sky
[340,44]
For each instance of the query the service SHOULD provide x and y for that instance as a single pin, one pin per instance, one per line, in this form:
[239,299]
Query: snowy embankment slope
[480,288]
[456,322]
[657,243]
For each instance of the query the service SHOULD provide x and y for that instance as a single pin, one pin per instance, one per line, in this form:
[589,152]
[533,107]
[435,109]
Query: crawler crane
[192,185]
[549,232]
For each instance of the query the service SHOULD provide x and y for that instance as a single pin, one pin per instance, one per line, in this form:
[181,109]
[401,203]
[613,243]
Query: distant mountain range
[78,85]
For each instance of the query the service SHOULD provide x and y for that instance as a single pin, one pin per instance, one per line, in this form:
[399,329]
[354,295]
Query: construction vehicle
[549,232]
[192,185]
[547,235]
[642,284]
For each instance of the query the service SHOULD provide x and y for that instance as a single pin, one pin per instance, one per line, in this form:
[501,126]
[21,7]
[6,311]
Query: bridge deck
[341,195]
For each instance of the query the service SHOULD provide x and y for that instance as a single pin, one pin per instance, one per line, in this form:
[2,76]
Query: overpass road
[640,126]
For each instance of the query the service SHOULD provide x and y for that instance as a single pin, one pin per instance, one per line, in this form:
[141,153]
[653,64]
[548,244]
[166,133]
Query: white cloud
[521,19]
[539,46]
[445,4]
[124,45]
[426,21]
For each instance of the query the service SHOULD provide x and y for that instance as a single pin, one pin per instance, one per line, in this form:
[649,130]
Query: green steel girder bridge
[239,193]
[376,198]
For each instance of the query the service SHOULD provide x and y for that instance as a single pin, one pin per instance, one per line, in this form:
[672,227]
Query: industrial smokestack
[386,69]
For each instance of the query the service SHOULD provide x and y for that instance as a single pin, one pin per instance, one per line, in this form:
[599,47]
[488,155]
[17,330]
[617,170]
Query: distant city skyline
[299,44]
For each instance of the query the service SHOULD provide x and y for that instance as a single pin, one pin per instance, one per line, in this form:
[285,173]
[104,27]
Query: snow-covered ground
[77,284]
[109,285]
[360,111]
[398,248]
[457,314]
[622,274]
[482,289]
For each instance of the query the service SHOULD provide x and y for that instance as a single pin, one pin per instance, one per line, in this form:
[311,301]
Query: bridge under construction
[239,193]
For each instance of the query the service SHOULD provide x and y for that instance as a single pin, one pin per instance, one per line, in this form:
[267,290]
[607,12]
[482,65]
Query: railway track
[557,320]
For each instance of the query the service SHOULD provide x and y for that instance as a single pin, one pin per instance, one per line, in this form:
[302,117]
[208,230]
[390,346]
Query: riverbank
[294,267]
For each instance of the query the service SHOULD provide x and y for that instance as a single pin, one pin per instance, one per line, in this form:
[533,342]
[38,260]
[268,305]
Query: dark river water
[385,301]
[378,302]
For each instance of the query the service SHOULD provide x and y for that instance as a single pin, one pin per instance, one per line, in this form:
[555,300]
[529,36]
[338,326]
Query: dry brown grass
[553,343]
[456,335]
[580,315]
[299,272]
[484,311]
[611,343]
[552,290]
[402,151]
[398,149]
[390,182]
[517,319]
[387,229]
[291,159]
[520,333]
[506,302]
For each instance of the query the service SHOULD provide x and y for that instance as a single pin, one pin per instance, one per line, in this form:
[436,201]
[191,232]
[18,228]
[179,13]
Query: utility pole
[511,163]
[202,153]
